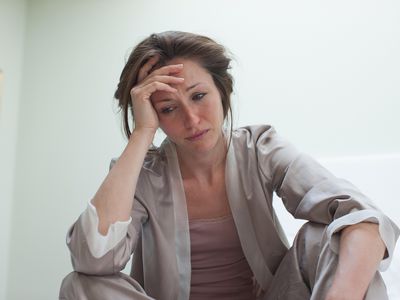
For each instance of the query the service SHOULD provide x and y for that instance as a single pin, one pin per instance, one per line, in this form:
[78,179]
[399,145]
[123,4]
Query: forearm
[361,250]
[114,199]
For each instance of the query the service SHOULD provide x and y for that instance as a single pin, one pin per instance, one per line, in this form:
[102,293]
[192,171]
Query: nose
[190,117]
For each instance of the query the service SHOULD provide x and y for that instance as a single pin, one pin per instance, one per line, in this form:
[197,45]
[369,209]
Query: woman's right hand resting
[161,79]
[114,199]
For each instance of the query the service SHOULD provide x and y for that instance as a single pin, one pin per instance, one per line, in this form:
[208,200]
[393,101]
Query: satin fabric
[259,162]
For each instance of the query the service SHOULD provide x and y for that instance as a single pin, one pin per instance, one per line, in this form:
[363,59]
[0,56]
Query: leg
[78,286]
[307,270]
[290,282]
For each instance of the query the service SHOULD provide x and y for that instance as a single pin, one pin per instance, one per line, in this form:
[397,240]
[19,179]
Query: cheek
[216,110]
[168,126]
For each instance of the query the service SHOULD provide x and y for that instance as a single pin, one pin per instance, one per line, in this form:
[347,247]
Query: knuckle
[134,91]
[155,84]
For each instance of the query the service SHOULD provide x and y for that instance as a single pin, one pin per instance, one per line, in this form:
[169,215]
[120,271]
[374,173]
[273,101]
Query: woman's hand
[145,115]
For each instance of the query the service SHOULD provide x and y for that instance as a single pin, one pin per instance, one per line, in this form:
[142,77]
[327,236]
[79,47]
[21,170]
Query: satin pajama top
[259,163]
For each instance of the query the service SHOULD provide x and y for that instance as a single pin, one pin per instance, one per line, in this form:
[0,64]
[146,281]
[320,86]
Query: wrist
[143,134]
[344,293]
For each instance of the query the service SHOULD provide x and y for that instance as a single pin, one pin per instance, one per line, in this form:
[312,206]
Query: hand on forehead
[194,76]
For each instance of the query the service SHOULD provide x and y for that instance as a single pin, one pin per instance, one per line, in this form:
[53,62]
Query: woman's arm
[113,200]
[361,251]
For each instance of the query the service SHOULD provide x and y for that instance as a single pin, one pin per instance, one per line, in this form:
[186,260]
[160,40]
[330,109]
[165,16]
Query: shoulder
[153,163]
[254,136]
[262,145]
[253,130]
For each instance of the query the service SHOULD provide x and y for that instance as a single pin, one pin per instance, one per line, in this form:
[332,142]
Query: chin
[208,143]
[203,146]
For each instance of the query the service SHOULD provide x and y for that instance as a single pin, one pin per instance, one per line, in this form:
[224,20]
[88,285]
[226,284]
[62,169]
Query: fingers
[159,86]
[145,90]
[156,83]
[160,79]
[165,70]
[144,71]
[164,79]
[168,70]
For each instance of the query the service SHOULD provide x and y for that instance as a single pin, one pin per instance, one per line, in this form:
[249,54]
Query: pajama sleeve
[311,192]
[95,254]
[100,244]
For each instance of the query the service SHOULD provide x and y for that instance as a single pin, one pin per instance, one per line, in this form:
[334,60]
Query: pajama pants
[305,272]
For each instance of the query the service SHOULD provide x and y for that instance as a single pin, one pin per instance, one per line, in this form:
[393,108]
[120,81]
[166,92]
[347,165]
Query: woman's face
[193,116]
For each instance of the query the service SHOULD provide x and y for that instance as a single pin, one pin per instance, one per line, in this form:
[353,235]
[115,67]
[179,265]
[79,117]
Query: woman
[197,211]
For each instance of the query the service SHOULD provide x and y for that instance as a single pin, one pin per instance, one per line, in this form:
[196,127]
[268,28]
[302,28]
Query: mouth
[197,135]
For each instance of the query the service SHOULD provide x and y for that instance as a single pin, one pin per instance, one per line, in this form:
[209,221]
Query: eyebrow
[192,86]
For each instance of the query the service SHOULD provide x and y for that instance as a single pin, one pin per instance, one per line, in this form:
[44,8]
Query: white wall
[12,29]
[324,73]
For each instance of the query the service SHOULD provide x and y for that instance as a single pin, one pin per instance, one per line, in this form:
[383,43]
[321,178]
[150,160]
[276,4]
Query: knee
[310,240]
[308,246]
[76,285]
[80,286]
[67,286]
[311,235]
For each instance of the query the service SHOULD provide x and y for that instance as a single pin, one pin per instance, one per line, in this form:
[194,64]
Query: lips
[197,135]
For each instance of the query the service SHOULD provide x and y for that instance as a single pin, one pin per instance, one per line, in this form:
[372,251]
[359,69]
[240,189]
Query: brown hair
[172,44]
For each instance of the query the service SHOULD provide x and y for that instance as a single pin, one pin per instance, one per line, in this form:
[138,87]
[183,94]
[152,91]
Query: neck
[203,167]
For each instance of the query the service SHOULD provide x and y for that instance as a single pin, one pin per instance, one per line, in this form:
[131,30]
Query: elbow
[105,265]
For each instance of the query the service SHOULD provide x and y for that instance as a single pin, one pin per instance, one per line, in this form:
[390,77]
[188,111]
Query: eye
[167,110]
[198,96]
